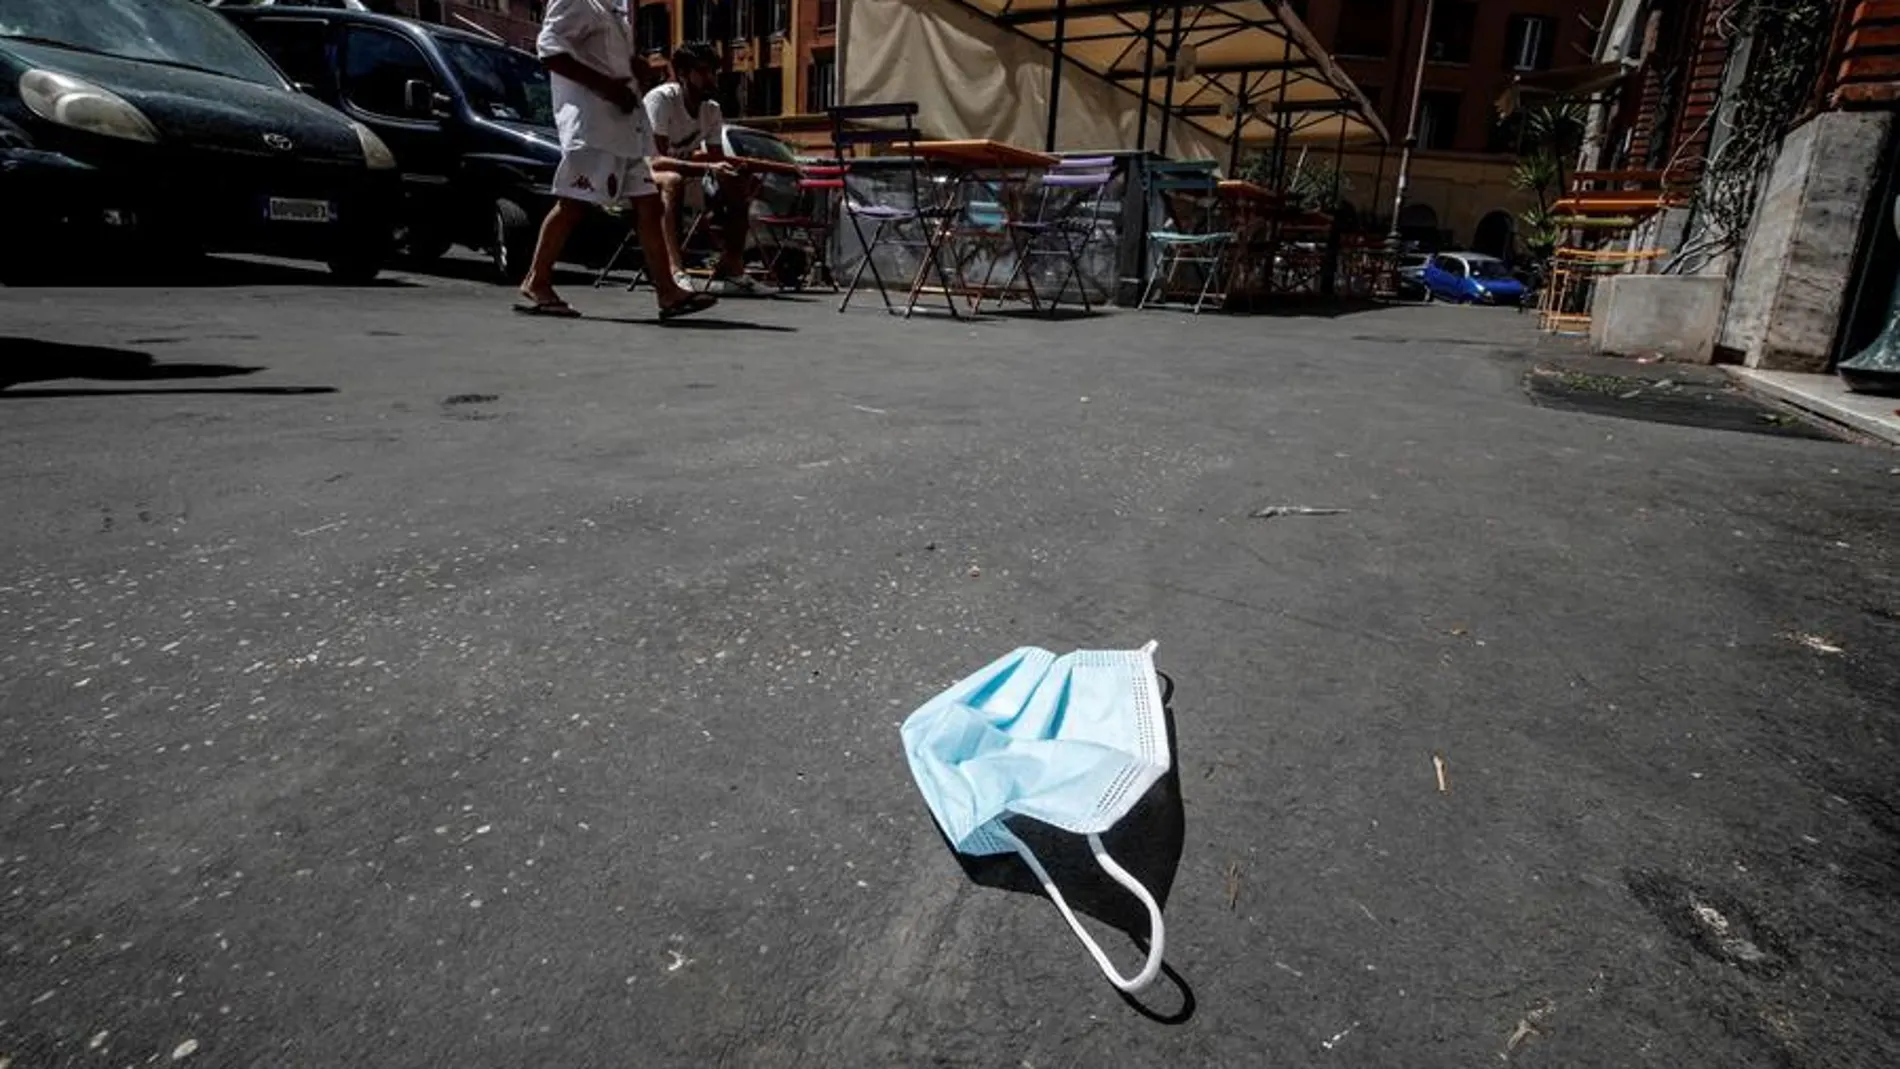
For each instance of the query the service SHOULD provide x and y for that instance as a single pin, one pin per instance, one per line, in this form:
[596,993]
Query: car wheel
[21,267]
[425,246]
[513,241]
[359,258]
[356,268]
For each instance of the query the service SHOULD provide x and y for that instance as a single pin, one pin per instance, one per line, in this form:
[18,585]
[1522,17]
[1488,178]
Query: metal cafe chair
[810,225]
[1192,234]
[883,211]
[1066,223]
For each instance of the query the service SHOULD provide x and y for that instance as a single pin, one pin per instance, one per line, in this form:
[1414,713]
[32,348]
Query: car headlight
[375,153]
[81,105]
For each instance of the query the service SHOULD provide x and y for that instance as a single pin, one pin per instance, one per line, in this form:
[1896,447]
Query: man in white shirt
[596,80]
[689,129]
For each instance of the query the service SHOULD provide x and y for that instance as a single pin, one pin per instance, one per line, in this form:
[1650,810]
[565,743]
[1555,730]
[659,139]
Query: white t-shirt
[684,132]
[596,33]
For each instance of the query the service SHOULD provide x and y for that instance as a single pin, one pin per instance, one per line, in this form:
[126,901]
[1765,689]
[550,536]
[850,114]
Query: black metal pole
[1055,75]
[1411,126]
[1241,105]
[1174,55]
[1339,159]
[1147,76]
[1280,126]
[1378,183]
[1329,277]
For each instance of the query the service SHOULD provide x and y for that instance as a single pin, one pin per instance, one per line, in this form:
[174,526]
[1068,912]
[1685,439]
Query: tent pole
[1329,279]
[1378,182]
[1280,125]
[1055,75]
[1339,160]
[1411,127]
[1241,104]
[1147,76]
[1174,55]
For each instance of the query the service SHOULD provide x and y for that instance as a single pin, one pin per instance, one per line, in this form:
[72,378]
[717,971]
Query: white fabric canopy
[974,79]
[982,68]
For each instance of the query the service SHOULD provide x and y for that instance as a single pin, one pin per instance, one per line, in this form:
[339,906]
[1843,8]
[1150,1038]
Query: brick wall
[1643,99]
[1707,58]
[1864,69]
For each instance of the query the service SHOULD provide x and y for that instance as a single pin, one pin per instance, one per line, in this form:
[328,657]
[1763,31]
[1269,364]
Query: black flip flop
[698,302]
[556,308]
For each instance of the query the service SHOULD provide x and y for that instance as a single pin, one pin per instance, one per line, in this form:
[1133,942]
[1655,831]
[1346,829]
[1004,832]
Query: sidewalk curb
[1820,404]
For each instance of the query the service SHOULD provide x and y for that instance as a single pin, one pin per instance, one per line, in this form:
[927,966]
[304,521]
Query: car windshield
[501,84]
[180,33]
[1488,269]
[759,147]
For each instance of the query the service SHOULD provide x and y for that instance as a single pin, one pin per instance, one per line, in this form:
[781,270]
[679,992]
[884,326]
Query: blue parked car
[1471,278]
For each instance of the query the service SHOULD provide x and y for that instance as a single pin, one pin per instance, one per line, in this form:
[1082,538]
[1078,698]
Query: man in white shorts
[596,80]
[690,167]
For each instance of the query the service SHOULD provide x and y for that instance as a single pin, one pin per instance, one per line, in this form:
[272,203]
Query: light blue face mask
[1072,741]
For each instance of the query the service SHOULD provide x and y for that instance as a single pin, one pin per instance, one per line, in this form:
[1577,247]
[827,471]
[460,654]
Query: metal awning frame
[1251,93]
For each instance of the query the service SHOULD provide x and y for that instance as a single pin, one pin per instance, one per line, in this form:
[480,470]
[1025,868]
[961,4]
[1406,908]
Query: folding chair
[1190,235]
[631,244]
[888,220]
[1066,222]
[809,226]
[981,226]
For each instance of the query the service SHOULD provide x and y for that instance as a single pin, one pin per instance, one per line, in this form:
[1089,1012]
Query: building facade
[1460,192]
[1774,125]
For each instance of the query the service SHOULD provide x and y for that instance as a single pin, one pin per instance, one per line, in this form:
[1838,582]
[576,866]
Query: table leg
[936,235]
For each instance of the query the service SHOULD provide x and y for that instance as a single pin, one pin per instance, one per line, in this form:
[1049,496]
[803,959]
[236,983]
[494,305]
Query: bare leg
[670,185]
[651,217]
[538,286]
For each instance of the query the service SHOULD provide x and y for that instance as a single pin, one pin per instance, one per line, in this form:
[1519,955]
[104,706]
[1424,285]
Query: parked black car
[470,120]
[156,119]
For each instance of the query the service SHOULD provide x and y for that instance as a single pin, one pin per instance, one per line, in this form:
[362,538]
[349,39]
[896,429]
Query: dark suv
[470,121]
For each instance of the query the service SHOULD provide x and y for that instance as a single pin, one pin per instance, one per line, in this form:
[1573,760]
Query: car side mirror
[417,95]
[420,98]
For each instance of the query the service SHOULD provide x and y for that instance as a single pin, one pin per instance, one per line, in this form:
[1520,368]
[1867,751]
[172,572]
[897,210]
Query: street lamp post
[1411,129]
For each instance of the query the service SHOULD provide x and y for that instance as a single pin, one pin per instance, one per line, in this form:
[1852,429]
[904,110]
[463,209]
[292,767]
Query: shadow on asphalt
[1304,306]
[199,272]
[695,323]
[469,269]
[1716,406]
[1060,314]
[33,360]
[250,391]
[1147,842]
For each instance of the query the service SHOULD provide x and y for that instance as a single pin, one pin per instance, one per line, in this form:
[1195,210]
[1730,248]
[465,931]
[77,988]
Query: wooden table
[763,166]
[967,159]
[983,153]
[1237,189]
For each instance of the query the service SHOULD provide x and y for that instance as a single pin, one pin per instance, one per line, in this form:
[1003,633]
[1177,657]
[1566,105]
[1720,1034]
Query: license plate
[292,210]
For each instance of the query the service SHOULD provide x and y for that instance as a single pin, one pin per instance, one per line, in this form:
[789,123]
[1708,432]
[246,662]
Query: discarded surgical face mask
[1072,741]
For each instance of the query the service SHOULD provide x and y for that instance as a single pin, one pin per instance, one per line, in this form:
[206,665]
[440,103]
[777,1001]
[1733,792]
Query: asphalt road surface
[391,680]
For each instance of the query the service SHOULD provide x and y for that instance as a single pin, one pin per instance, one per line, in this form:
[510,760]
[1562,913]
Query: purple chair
[1065,224]
[888,220]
